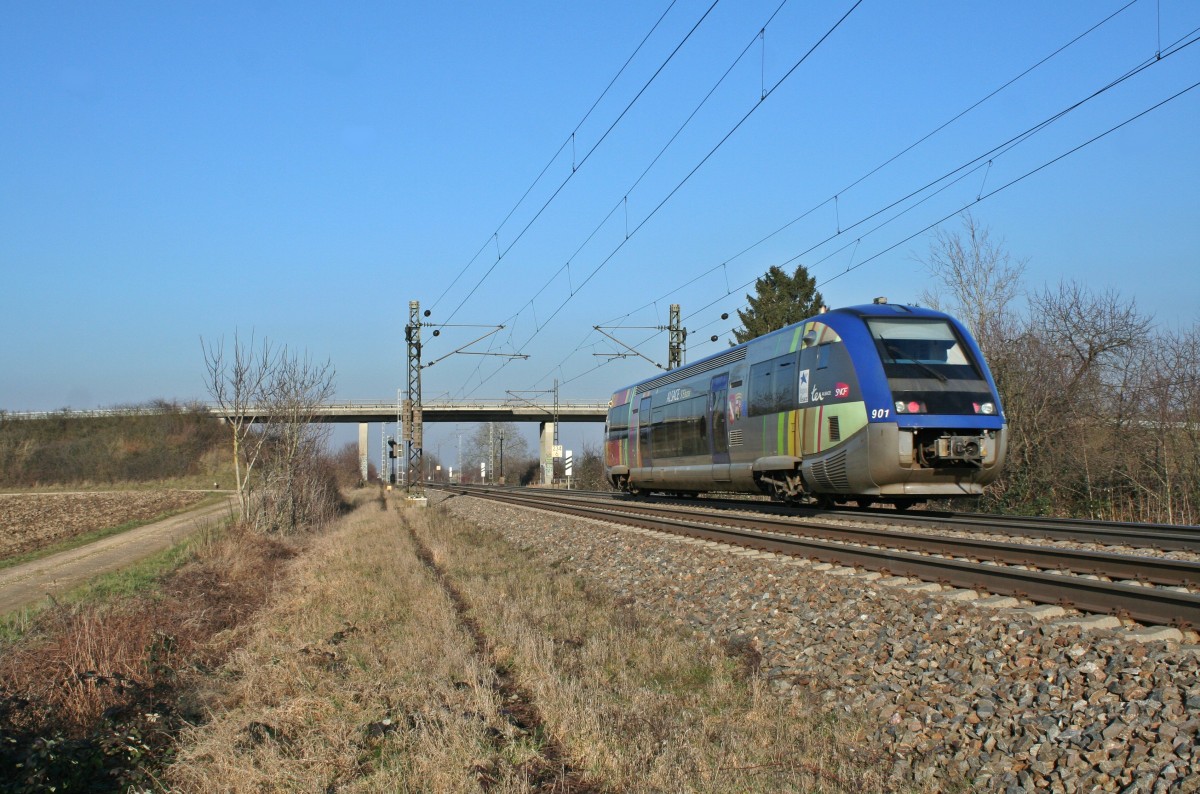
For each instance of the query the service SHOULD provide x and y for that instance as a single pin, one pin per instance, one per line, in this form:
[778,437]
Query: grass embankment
[366,675]
[152,443]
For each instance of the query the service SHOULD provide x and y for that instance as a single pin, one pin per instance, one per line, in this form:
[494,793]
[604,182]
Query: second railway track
[1162,537]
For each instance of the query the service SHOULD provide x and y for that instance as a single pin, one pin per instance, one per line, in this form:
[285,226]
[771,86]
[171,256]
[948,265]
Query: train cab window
[928,367]
[823,355]
[925,346]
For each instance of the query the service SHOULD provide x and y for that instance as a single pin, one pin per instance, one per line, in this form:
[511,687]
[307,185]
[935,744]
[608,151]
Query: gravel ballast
[964,696]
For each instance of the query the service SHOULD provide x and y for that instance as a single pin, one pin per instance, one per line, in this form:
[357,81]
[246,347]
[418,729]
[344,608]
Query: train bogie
[873,403]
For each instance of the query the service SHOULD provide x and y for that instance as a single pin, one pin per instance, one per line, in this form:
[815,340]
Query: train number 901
[880,413]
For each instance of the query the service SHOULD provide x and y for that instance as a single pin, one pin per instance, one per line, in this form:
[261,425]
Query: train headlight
[910,407]
[985,408]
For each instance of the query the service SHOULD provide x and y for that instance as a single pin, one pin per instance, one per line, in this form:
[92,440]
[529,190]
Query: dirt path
[25,584]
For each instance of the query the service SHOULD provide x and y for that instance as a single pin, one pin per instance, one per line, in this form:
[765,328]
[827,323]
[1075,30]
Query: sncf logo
[842,390]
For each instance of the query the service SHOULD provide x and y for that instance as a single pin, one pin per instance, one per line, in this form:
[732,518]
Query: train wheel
[824,502]
[864,502]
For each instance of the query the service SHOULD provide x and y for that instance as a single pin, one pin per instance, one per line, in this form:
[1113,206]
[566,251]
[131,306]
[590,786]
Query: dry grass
[362,676]
[359,678]
[635,702]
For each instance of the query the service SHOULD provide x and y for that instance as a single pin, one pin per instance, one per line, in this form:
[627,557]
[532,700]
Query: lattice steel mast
[411,410]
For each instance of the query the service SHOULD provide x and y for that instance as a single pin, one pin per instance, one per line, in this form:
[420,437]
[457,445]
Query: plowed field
[29,522]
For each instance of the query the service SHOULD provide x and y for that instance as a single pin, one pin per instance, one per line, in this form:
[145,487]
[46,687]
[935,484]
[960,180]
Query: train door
[718,425]
[644,458]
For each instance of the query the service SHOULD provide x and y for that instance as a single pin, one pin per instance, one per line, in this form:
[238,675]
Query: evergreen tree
[780,300]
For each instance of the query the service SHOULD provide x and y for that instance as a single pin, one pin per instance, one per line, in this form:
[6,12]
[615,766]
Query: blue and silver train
[882,403]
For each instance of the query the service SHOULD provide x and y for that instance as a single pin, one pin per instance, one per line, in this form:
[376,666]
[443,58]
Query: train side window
[659,440]
[823,355]
[761,394]
[645,448]
[784,383]
[694,427]
[680,429]
[618,422]
[674,429]
[773,385]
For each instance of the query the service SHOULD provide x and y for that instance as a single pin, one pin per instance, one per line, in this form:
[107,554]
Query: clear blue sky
[303,170]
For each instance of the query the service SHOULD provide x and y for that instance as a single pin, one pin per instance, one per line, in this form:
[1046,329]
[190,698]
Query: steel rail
[1145,604]
[1163,537]
[1183,537]
[1156,570]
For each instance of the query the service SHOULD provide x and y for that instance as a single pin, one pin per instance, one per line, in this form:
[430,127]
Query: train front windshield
[929,369]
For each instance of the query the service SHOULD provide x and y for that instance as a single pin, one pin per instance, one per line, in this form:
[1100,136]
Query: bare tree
[975,279]
[1101,409]
[1091,329]
[485,444]
[270,397]
[590,469]
[298,491]
[1165,477]
[1071,389]
[237,385]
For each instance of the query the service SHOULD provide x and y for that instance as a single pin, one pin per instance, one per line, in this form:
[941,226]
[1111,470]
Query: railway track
[1163,537]
[1146,589]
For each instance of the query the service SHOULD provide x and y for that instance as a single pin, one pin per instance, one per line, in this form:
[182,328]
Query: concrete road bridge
[364,412]
[511,410]
[459,411]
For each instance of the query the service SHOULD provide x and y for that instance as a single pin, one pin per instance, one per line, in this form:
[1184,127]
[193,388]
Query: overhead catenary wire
[833,197]
[959,210]
[700,164]
[977,195]
[688,176]
[575,168]
[623,203]
[569,140]
[1000,149]
[1178,46]
[1021,178]
[979,161]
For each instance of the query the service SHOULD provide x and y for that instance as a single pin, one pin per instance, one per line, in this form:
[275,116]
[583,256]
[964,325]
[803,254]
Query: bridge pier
[362,450]
[546,446]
